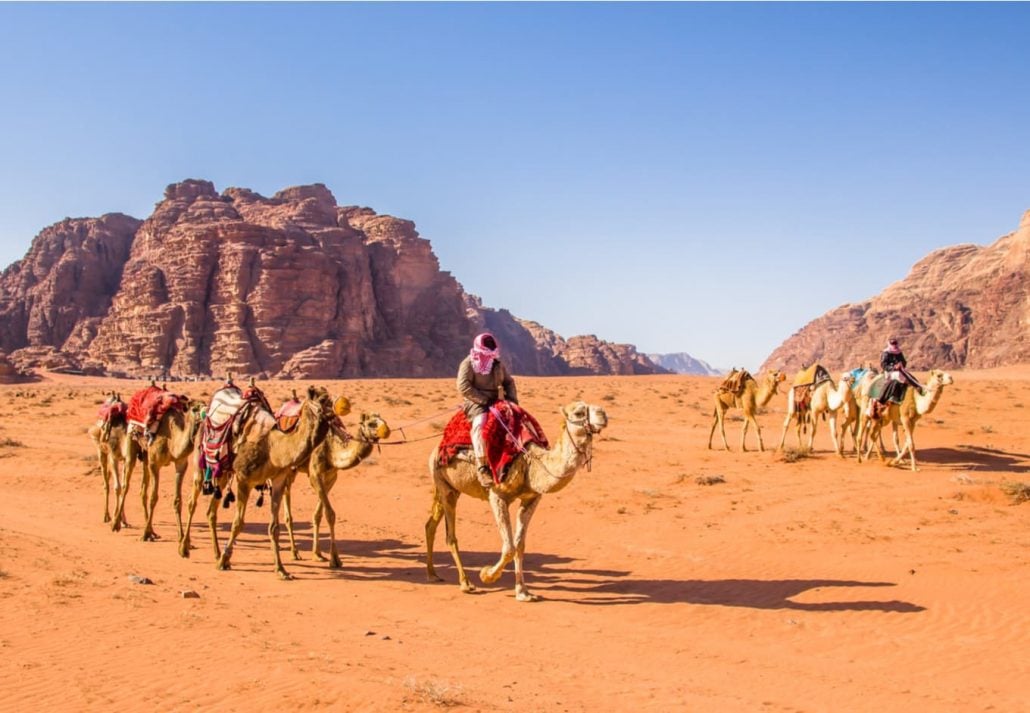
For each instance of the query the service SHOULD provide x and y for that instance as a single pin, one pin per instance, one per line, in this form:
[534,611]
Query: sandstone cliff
[962,306]
[290,286]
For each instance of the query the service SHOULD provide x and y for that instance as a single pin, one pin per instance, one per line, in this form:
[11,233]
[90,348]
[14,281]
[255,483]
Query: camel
[532,475]
[851,411]
[825,401]
[750,400]
[110,444]
[269,460]
[172,444]
[906,414]
[337,452]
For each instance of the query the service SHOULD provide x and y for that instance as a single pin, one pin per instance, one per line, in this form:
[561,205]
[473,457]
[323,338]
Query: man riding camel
[481,378]
[894,366]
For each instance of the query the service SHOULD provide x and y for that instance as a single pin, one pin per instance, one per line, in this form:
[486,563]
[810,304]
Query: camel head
[373,428]
[583,418]
[774,378]
[939,378]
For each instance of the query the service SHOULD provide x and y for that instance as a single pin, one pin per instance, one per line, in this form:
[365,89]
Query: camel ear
[312,394]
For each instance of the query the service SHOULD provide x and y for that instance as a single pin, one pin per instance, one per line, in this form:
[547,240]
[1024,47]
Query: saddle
[507,431]
[734,383]
[233,416]
[288,415]
[146,409]
[111,413]
[805,382]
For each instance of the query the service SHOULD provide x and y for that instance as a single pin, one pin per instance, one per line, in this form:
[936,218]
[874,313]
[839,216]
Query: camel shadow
[976,458]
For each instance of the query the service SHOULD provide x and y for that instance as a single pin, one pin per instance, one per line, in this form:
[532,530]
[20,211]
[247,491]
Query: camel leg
[719,413]
[811,436]
[242,493]
[155,475]
[184,537]
[908,448]
[489,575]
[105,473]
[121,488]
[833,434]
[212,517]
[180,473]
[743,434]
[449,503]
[522,517]
[273,527]
[316,532]
[289,515]
[436,512]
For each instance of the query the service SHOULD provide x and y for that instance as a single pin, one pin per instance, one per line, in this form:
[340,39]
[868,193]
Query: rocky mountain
[289,286]
[962,306]
[683,363]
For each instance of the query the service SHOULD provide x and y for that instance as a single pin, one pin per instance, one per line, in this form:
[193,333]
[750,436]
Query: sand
[816,585]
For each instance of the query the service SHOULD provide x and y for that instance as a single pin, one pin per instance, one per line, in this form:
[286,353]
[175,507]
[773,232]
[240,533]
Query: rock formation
[683,363]
[292,286]
[962,306]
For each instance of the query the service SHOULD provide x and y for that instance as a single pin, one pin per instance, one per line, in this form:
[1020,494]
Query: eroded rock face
[962,306]
[291,286]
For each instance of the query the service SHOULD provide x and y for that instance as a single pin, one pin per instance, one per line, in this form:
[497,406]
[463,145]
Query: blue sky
[684,177]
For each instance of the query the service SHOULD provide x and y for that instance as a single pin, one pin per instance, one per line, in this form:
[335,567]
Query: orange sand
[818,585]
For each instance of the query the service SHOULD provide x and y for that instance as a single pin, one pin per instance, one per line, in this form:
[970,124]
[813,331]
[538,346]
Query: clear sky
[684,177]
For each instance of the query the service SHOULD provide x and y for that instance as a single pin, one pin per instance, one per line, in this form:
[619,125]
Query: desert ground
[796,584]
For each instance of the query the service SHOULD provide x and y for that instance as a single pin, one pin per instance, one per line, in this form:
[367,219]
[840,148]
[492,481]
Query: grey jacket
[481,390]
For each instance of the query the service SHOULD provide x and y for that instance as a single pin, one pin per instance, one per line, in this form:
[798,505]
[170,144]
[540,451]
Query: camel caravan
[859,404]
[239,445]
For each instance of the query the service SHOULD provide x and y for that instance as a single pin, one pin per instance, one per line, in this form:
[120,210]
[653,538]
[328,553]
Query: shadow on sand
[975,458]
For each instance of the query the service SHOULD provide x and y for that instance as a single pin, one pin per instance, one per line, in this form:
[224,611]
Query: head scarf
[483,356]
[892,346]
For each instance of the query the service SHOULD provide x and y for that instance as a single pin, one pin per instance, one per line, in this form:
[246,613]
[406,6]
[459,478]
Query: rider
[481,376]
[893,364]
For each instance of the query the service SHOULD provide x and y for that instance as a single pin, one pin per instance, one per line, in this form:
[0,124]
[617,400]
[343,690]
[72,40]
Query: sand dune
[818,585]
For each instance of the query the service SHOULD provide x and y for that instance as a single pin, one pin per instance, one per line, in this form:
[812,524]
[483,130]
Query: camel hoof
[184,551]
[223,565]
[525,596]
[107,518]
[468,587]
[486,578]
[284,575]
[434,578]
[320,557]
[335,563]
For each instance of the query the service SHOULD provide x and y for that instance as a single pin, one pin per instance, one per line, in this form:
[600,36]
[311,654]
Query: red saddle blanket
[150,404]
[112,411]
[508,430]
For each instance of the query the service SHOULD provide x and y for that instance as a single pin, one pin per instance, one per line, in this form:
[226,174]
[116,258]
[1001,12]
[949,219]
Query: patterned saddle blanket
[508,430]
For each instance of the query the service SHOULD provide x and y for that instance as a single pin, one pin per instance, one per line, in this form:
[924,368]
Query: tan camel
[750,400]
[532,475]
[172,444]
[824,401]
[906,415]
[110,443]
[337,452]
[269,460]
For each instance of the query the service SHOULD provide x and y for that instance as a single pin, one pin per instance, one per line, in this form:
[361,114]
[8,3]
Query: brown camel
[339,451]
[269,460]
[906,415]
[110,443]
[172,444]
[750,399]
[824,401]
[531,475]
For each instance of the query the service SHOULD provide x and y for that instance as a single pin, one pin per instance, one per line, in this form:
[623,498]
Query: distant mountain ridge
[683,363]
[292,286]
[961,306]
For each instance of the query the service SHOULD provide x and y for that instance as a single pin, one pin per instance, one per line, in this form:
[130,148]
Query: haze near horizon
[703,178]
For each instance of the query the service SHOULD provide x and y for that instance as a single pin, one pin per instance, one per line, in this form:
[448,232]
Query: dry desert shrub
[709,479]
[793,455]
[10,443]
[439,694]
[1018,492]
